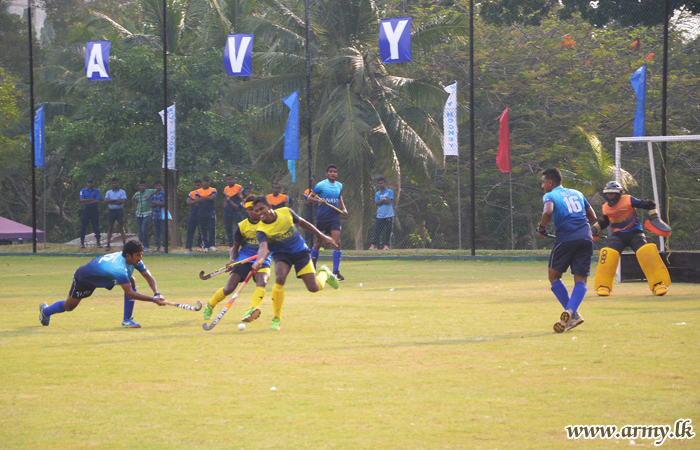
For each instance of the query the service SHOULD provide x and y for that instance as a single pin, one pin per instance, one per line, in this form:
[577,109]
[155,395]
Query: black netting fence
[562,71]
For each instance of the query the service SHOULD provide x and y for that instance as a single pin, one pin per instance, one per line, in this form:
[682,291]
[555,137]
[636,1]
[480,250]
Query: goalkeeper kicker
[620,213]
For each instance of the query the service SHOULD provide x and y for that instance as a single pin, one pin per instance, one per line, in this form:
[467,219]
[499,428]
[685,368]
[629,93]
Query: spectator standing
[115,198]
[278,200]
[232,207]
[205,197]
[157,205]
[90,198]
[143,212]
[384,200]
[193,219]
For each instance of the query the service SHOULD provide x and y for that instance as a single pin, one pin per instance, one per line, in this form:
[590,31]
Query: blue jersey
[385,211]
[107,271]
[330,192]
[569,214]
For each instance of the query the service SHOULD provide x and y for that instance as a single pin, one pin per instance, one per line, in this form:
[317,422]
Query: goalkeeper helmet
[614,188]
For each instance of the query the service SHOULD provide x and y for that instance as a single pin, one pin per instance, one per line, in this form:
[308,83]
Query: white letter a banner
[97,60]
[450,144]
[171,137]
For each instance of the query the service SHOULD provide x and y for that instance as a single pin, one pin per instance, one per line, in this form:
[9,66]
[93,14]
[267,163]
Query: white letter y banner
[171,136]
[395,40]
[238,58]
[450,144]
[97,60]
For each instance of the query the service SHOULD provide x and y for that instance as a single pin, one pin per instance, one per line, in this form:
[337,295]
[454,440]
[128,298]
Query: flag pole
[459,202]
[471,126]
[165,121]
[512,232]
[31,118]
[309,115]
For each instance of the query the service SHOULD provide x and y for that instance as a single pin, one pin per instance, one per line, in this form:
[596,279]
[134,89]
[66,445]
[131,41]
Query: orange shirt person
[278,200]
[233,193]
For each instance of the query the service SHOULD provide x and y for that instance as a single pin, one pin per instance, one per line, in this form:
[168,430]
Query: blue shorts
[242,270]
[80,290]
[575,254]
[301,261]
[326,227]
[116,215]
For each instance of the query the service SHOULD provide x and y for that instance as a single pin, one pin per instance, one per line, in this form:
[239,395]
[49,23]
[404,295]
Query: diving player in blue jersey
[277,233]
[245,245]
[106,272]
[573,246]
[328,219]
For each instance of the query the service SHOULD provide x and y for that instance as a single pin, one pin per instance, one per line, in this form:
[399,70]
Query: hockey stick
[208,327]
[186,306]
[225,268]
[313,194]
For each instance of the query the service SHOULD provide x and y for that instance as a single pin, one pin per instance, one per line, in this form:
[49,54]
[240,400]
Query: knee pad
[605,273]
[654,269]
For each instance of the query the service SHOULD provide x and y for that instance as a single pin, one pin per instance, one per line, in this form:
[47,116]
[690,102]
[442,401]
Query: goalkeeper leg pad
[605,273]
[654,269]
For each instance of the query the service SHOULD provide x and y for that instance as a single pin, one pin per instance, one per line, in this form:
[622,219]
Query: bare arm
[129,291]
[547,214]
[341,205]
[234,251]
[590,215]
[262,254]
[150,280]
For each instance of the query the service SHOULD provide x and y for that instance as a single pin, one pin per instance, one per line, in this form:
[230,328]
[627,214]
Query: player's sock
[128,307]
[561,292]
[321,278]
[277,300]
[218,296]
[314,256]
[577,295]
[258,296]
[56,308]
[336,260]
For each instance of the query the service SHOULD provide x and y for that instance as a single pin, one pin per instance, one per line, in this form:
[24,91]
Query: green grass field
[422,355]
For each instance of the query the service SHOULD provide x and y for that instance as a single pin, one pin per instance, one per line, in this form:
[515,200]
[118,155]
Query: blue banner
[639,83]
[97,60]
[292,166]
[238,55]
[39,137]
[291,133]
[395,40]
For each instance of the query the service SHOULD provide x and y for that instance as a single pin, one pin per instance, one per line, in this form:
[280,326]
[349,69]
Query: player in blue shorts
[277,233]
[106,272]
[245,245]
[573,246]
[328,219]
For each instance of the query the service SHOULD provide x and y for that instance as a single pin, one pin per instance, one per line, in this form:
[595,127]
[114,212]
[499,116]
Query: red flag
[503,157]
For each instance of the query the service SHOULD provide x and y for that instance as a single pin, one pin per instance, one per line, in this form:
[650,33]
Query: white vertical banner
[450,144]
[171,137]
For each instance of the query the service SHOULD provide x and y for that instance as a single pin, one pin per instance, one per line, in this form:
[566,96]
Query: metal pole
[459,203]
[512,231]
[31,119]
[165,119]
[664,91]
[309,113]
[471,124]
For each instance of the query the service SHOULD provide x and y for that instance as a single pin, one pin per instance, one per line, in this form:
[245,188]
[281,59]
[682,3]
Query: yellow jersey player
[277,233]
[245,245]
[620,214]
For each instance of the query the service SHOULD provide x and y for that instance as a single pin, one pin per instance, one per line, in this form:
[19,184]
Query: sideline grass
[458,355]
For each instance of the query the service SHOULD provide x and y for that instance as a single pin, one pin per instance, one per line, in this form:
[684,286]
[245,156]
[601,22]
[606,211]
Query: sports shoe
[108,248]
[660,289]
[99,245]
[276,324]
[603,291]
[199,249]
[188,251]
[82,245]
[205,250]
[332,279]
[145,249]
[252,314]
[338,276]
[372,247]
[386,247]
[43,317]
[575,321]
[157,250]
[130,323]
[212,249]
[564,320]
[207,312]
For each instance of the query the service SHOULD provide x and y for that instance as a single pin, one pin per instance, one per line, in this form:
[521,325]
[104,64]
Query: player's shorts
[242,270]
[634,239]
[301,261]
[80,290]
[327,226]
[116,215]
[575,254]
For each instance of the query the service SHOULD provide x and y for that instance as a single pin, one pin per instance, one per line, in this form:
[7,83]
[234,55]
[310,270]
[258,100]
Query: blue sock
[561,293]
[128,307]
[336,260]
[314,256]
[577,296]
[56,308]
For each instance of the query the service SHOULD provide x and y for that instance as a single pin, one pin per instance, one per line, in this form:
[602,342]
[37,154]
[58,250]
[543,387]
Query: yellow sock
[321,278]
[218,296]
[258,296]
[277,300]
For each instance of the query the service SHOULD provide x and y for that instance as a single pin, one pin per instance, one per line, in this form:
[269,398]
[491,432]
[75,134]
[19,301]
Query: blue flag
[291,133]
[395,40]
[238,55]
[39,137]
[292,166]
[639,83]
[97,60]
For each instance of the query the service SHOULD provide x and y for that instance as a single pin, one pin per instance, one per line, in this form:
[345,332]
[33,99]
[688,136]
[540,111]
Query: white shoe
[212,249]
[205,249]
